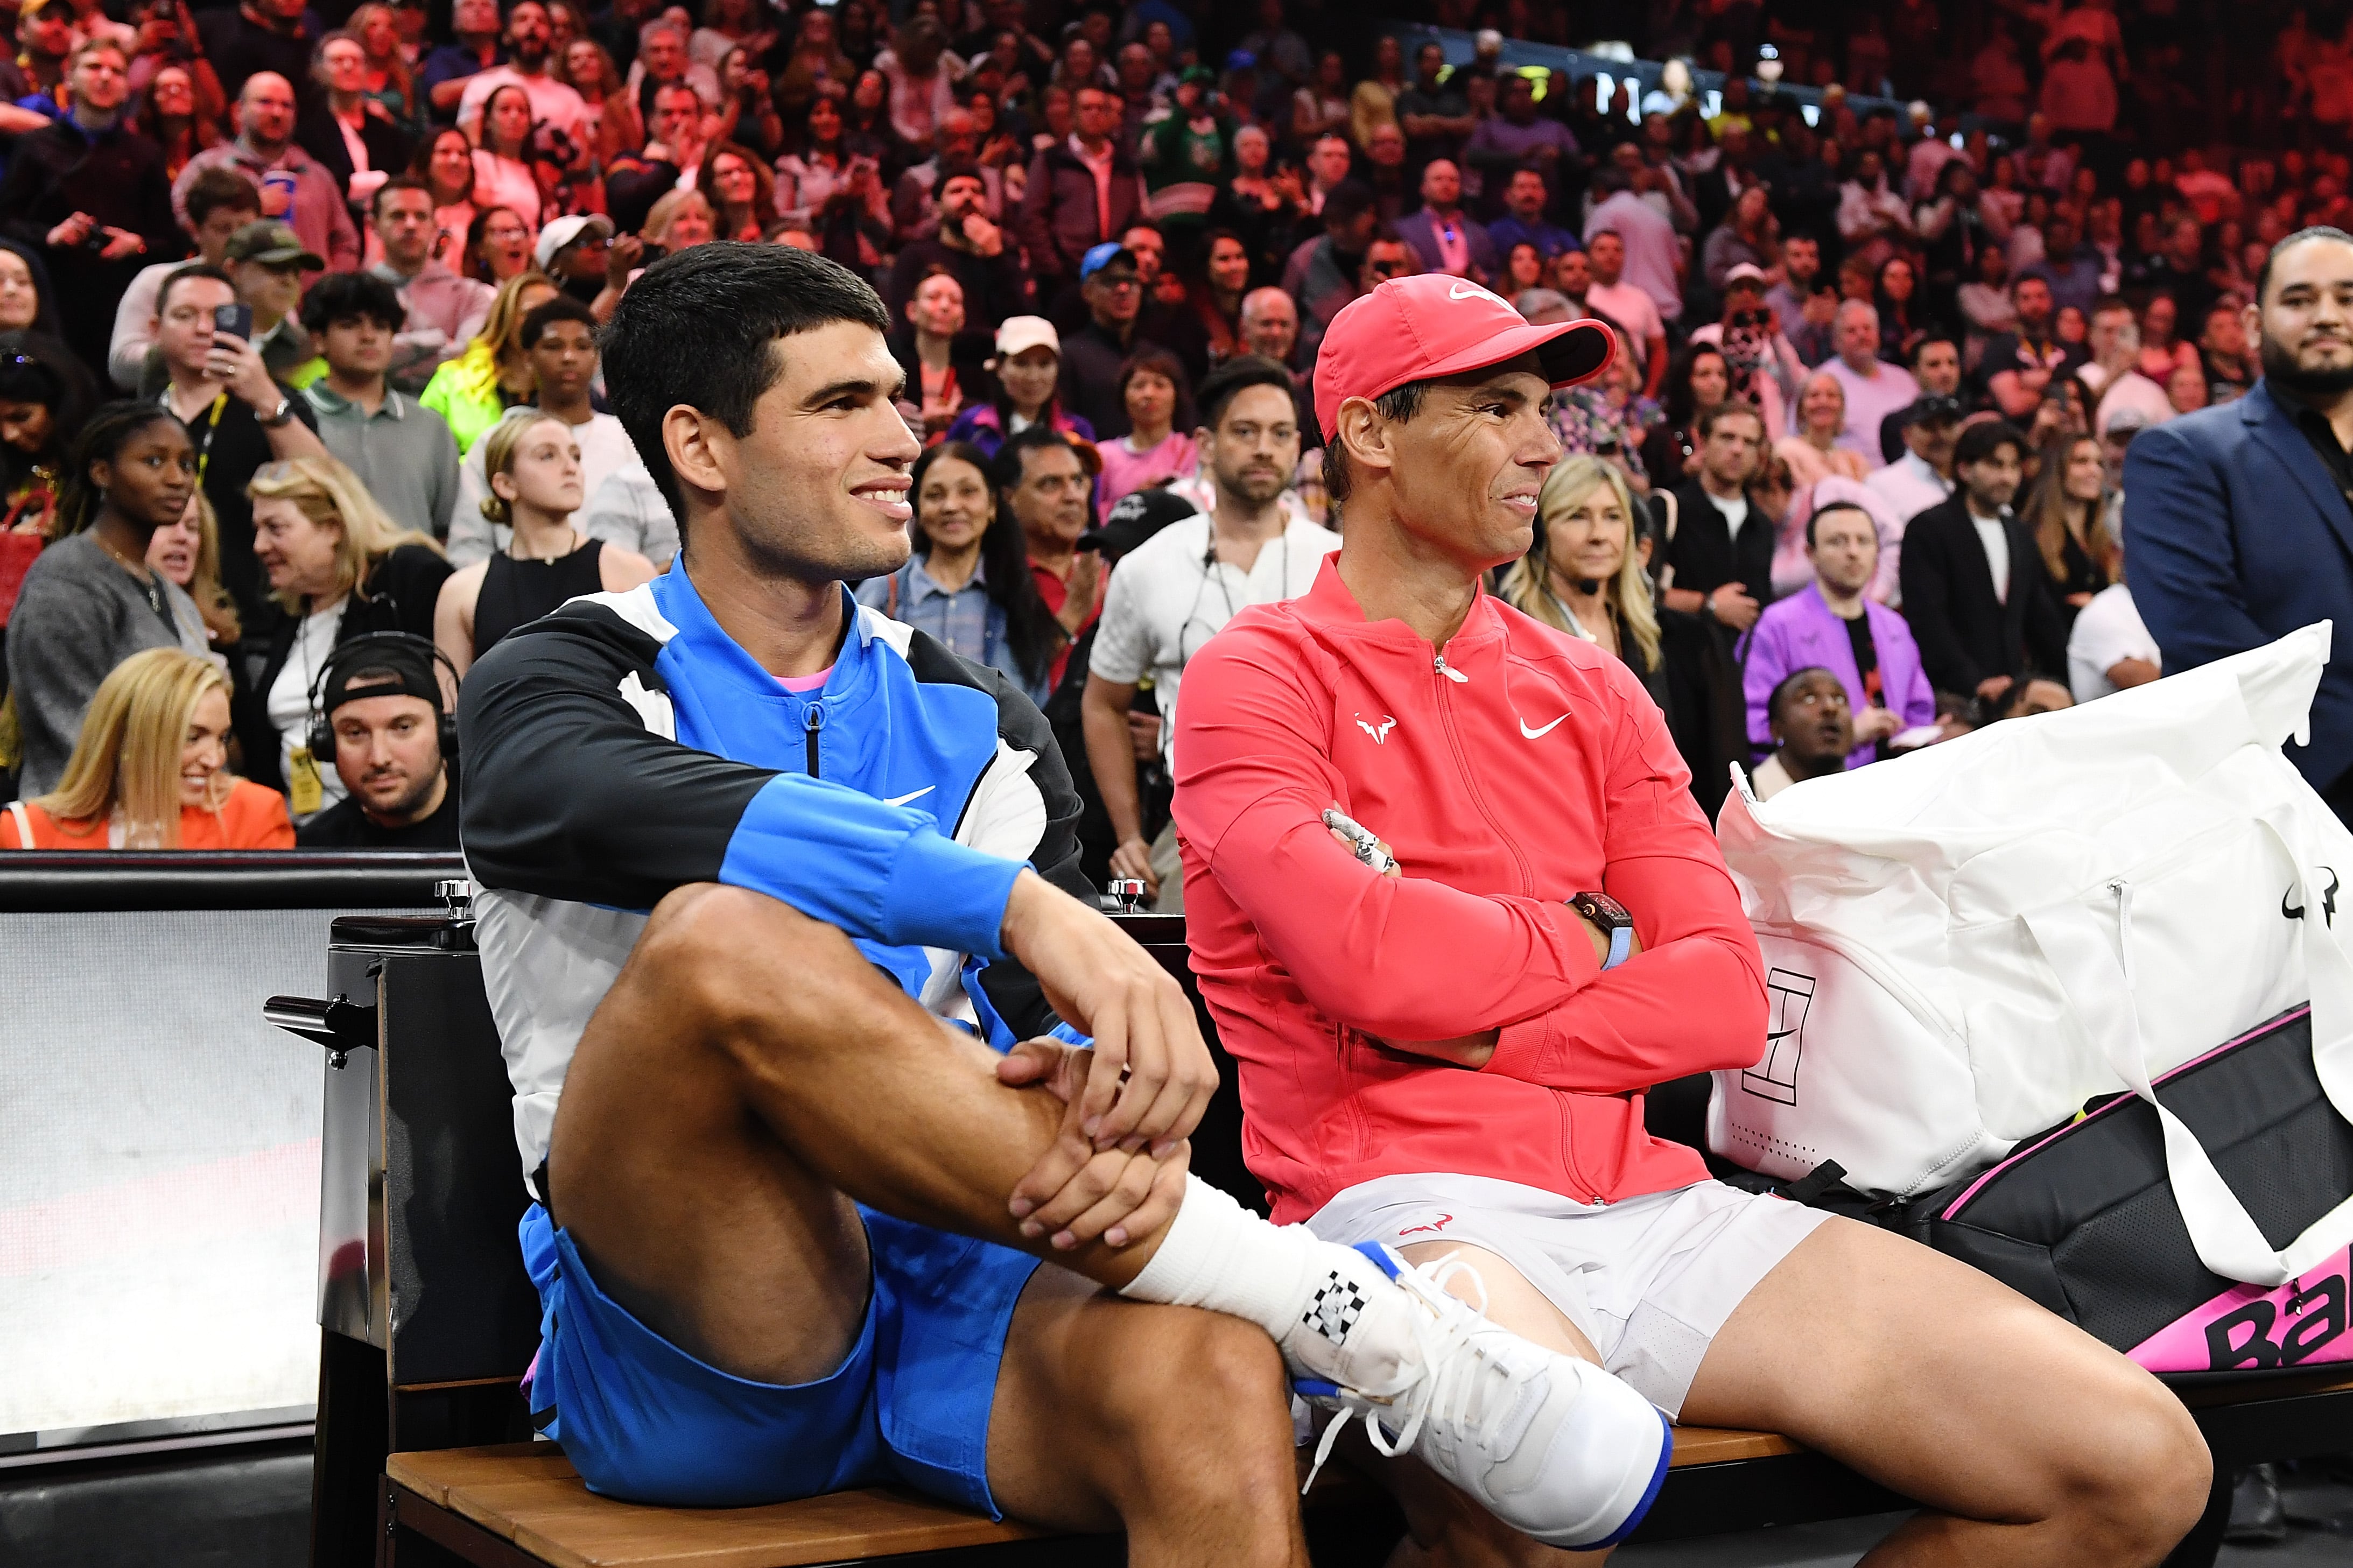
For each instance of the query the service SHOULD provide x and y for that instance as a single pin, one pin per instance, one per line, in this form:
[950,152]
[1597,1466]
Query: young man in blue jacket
[780,898]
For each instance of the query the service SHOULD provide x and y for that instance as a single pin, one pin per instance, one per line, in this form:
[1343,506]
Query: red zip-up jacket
[1523,767]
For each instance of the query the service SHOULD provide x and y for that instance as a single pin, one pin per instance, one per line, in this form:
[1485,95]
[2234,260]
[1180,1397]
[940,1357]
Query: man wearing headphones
[380,714]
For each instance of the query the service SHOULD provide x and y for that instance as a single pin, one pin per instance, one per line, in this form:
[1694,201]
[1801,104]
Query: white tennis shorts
[1649,1280]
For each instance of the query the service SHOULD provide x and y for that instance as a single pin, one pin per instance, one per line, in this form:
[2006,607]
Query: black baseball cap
[1934,408]
[383,668]
[1139,515]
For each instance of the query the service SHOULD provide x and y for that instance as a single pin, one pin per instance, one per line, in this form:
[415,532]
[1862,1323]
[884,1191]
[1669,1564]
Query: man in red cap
[1450,1054]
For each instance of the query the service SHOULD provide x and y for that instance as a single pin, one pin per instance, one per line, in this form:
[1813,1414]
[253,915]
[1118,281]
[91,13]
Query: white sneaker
[1553,1445]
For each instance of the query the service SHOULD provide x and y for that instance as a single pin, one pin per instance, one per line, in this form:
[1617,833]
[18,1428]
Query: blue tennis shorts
[642,1420]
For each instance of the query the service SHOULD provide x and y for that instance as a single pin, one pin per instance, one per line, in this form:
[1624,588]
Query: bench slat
[529,1494]
[1719,1444]
[570,1528]
[432,1475]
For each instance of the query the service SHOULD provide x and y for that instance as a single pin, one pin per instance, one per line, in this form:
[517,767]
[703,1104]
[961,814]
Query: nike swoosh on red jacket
[1305,956]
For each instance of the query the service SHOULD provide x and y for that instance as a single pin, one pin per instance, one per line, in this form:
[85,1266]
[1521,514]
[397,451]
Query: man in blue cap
[1112,288]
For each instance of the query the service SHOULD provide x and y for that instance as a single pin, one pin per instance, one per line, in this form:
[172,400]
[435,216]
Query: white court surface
[159,1169]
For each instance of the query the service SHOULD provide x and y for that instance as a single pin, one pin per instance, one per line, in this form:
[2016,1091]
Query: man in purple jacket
[1866,644]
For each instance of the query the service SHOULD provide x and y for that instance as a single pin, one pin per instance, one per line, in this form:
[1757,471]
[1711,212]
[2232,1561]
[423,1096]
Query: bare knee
[1208,1392]
[2143,1477]
[706,942]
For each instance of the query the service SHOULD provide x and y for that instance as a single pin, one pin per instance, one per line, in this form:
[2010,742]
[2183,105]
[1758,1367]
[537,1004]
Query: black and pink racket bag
[2083,1219]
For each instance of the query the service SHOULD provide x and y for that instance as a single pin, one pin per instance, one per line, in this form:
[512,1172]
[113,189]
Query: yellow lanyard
[212,423]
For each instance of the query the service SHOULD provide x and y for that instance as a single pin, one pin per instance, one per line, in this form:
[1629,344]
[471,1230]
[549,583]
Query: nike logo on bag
[1528,734]
[903,799]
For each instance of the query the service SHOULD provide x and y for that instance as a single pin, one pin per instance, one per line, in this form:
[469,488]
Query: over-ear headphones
[319,735]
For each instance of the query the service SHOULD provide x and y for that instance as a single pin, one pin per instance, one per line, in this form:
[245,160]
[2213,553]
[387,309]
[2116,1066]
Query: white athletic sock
[1332,1311]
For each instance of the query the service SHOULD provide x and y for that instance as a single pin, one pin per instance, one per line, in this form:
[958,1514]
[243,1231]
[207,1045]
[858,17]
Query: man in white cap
[1445,1037]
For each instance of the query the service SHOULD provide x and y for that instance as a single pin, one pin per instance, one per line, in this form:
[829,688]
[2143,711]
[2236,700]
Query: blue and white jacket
[625,746]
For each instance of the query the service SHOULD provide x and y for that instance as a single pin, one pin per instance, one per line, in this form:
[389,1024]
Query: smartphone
[237,321]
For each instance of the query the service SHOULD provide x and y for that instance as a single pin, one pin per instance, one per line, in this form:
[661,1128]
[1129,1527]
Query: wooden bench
[520,1504]
[429,1322]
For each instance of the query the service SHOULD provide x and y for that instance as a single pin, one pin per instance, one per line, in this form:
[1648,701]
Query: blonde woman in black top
[532,464]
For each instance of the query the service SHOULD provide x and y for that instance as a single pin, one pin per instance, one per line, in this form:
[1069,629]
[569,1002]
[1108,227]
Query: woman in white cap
[1028,369]
[573,251]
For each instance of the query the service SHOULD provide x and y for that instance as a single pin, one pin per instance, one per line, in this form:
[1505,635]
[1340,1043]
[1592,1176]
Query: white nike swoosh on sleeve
[1528,734]
[903,799]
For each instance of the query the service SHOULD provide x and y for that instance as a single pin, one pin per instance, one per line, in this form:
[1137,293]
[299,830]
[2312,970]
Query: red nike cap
[1415,329]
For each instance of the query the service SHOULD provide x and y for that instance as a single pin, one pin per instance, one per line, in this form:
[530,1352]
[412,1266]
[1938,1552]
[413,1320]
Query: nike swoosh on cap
[1528,734]
[917,794]
[1465,292]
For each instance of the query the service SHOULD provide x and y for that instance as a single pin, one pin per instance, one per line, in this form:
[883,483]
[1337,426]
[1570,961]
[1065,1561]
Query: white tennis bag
[1964,945]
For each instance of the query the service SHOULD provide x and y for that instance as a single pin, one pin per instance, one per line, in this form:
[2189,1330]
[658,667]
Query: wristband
[1620,942]
[278,416]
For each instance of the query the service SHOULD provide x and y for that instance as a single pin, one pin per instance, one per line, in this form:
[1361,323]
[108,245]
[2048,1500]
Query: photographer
[1179,588]
[1764,365]
[381,701]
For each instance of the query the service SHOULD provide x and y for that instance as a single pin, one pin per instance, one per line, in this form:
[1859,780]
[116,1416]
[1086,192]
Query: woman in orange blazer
[151,770]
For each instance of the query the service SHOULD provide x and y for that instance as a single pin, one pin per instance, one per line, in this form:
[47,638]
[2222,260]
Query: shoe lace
[1447,1381]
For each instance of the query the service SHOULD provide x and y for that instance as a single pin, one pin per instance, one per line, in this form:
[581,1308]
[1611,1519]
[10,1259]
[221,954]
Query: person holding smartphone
[238,415]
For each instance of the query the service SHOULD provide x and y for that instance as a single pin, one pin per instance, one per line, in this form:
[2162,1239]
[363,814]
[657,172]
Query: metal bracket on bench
[341,1025]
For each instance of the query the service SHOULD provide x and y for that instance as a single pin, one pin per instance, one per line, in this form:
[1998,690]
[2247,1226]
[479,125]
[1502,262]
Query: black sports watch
[1607,914]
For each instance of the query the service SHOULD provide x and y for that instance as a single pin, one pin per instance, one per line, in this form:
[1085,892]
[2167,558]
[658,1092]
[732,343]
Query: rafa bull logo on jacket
[2250,1329]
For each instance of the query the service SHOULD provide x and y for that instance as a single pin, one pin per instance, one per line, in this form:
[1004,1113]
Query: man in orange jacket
[1452,1055]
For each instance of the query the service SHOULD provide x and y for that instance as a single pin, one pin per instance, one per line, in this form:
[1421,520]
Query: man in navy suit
[2237,523]
[1441,233]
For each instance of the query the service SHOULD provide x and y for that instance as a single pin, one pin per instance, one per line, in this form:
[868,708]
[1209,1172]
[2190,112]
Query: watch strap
[1621,943]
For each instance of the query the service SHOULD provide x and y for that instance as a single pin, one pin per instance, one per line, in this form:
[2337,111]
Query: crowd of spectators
[299,304]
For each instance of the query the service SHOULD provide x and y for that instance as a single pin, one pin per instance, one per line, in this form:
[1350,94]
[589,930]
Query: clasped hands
[1115,1171]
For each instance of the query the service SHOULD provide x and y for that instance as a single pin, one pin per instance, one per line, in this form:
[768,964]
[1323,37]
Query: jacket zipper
[1442,675]
[813,719]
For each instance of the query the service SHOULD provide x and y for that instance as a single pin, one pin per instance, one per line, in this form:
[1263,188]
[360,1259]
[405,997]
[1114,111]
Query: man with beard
[529,65]
[1185,581]
[2237,519]
[1980,607]
[382,699]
